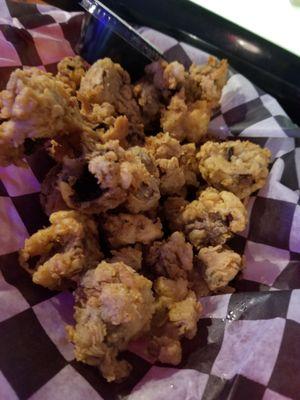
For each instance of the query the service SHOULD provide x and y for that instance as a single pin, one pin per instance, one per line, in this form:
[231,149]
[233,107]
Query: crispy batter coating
[220,266]
[113,176]
[71,70]
[177,312]
[113,305]
[146,158]
[172,211]
[131,256]
[116,129]
[176,163]
[124,229]
[34,105]
[64,250]
[163,146]
[238,166]
[107,82]
[172,258]
[186,121]
[142,187]
[172,178]
[148,98]
[166,76]
[189,163]
[213,218]
[207,81]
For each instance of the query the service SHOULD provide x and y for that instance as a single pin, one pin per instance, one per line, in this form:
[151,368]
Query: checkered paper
[247,345]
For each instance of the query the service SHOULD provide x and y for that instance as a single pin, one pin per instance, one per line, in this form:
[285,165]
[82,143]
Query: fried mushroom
[34,106]
[71,70]
[172,258]
[105,83]
[125,229]
[213,217]
[113,305]
[238,166]
[177,312]
[220,265]
[56,256]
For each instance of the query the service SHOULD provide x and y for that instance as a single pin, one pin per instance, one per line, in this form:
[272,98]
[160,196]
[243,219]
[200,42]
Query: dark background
[272,68]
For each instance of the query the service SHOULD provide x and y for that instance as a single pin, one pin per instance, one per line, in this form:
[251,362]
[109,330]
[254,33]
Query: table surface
[277,21]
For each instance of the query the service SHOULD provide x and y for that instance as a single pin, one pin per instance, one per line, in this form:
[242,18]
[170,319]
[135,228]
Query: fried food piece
[148,98]
[50,197]
[163,146]
[123,229]
[146,158]
[238,166]
[206,81]
[176,163]
[196,281]
[71,70]
[177,312]
[64,250]
[186,121]
[107,82]
[188,162]
[154,90]
[113,305]
[166,76]
[220,265]
[112,177]
[172,258]
[81,190]
[118,129]
[143,188]
[213,218]
[34,105]
[172,211]
[131,256]
[172,178]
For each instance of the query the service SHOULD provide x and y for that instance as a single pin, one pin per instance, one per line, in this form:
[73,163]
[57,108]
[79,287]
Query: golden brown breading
[172,178]
[34,105]
[220,265]
[177,312]
[154,90]
[71,70]
[117,130]
[189,163]
[163,146]
[213,218]
[172,212]
[146,158]
[148,98]
[172,258]
[166,76]
[238,166]
[207,81]
[113,305]
[142,187]
[108,82]
[131,256]
[186,121]
[66,249]
[123,229]
[176,163]
[113,176]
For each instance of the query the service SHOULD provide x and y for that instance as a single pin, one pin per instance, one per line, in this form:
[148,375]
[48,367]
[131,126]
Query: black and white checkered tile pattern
[247,346]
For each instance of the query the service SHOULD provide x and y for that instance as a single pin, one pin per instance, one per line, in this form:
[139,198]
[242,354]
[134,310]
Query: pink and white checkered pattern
[247,346]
